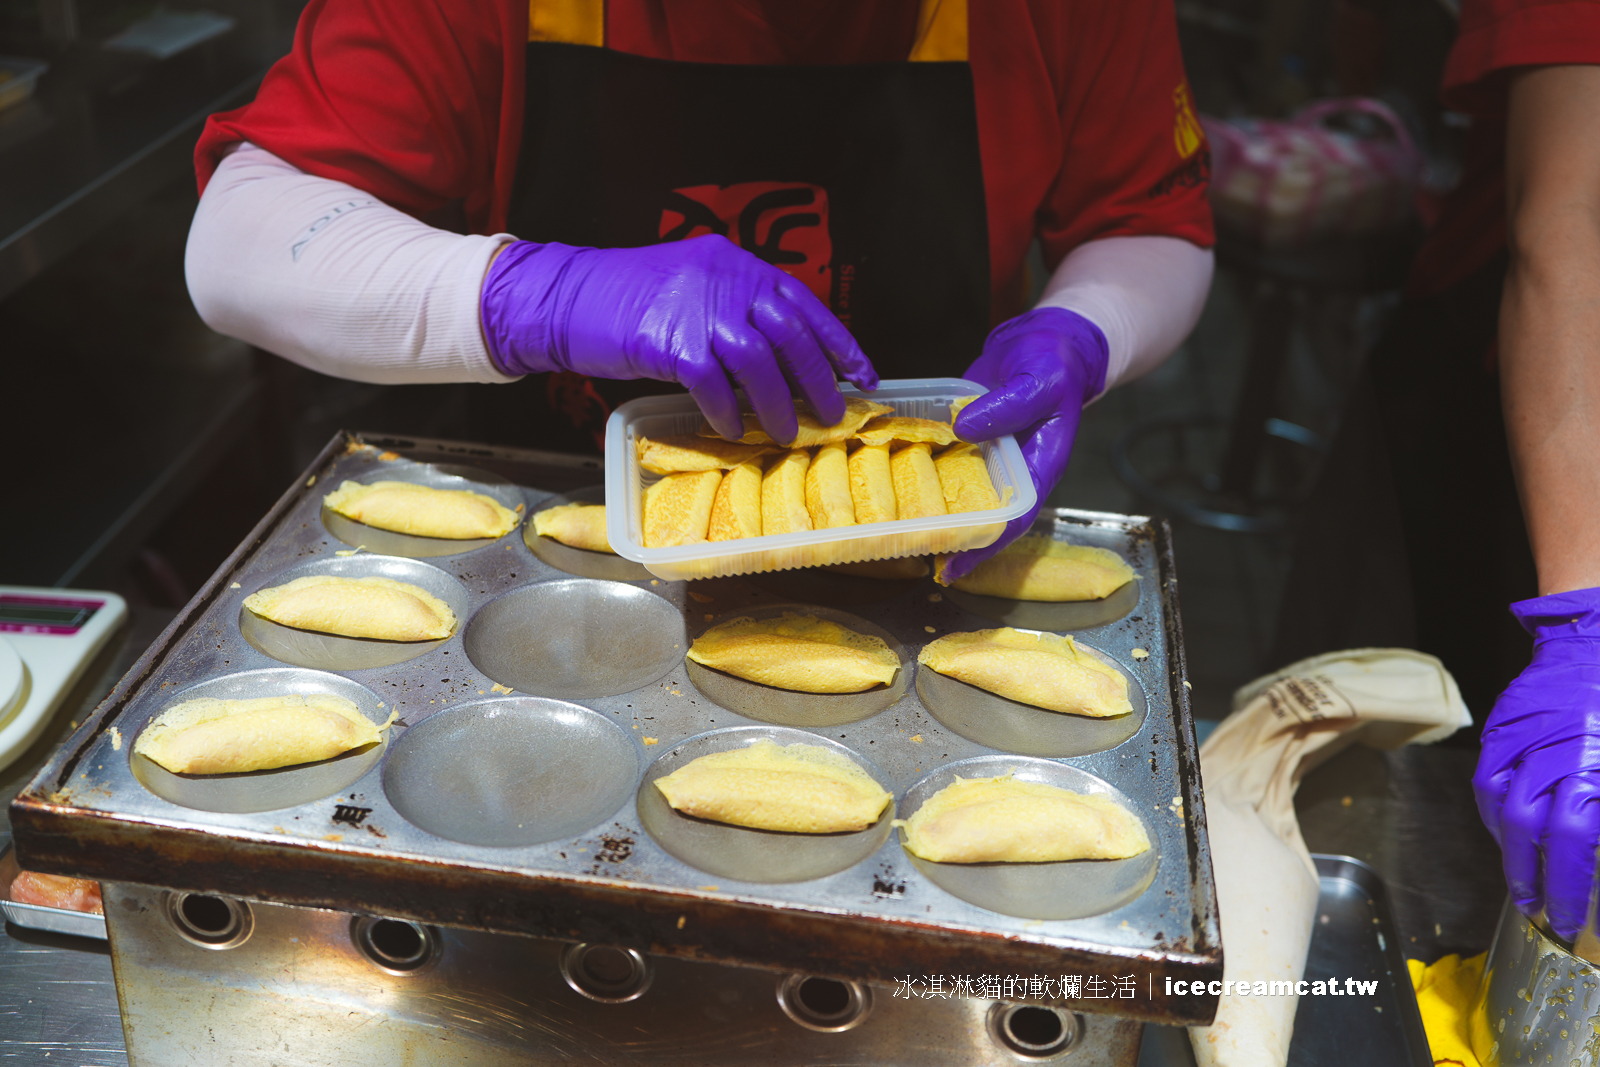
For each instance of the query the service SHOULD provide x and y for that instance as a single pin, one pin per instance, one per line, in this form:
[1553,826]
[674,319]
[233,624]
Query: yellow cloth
[1445,991]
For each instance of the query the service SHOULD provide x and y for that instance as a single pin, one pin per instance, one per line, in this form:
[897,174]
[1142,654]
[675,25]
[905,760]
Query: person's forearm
[327,276]
[1550,319]
[1144,293]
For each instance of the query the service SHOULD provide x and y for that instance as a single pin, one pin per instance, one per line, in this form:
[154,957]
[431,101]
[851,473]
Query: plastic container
[927,398]
[18,78]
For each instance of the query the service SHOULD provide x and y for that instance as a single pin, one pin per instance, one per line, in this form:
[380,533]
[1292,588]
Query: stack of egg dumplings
[873,466]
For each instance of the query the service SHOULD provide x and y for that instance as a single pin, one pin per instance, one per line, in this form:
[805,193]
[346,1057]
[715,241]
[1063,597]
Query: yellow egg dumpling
[1006,820]
[380,608]
[798,652]
[213,736]
[803,789]
[421,510]
[1044,670]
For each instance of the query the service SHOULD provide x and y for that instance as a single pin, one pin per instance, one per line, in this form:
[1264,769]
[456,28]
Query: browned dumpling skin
[828,488]
[887,429]
[677,509]
[916,482]
[691,452]
[736,511]
[964,479]
[872,484]
[783,494]
[812,432]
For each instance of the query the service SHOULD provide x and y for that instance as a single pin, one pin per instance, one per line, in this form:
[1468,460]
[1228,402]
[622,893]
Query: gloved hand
[1040,367]
[703,313]
[1538,777]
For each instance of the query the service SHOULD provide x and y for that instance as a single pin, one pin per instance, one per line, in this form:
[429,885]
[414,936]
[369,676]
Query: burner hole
[607,966]
[825,997]
[825,1005]
[208,921]
[206,915]
[395,945]
[398,942]
[1033,1032]
[605,974]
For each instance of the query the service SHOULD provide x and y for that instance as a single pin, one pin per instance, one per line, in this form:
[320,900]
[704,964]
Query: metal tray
[527,782]
[39,917]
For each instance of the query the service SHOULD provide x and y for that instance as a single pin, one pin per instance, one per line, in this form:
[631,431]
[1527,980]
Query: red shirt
[1496,36]
[1085,122]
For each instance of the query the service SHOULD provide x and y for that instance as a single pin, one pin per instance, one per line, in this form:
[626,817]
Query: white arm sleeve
[1145,294]
[330,277]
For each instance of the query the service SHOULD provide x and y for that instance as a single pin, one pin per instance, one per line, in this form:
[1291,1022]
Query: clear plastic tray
[927,398]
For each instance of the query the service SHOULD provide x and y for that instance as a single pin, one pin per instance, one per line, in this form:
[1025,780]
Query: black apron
[862,181]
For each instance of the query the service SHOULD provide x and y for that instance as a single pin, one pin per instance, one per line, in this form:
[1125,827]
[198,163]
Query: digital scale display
[45,615]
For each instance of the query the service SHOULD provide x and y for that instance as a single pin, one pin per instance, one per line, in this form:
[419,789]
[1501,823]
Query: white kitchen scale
[47,639]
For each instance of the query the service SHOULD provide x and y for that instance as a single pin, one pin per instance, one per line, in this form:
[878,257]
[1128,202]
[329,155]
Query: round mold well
[331,652]
[284,787]
[576,639]
[1011,726]
[747,854]
[1067,889]
[786,707]
[436,476]
[819,585]
[605,566]
[511,772]
[1059,616]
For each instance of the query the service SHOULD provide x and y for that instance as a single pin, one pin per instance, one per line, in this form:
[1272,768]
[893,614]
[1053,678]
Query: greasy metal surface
[1538,1002]
[511,772]
[747,854]
[576,638]
[37,916]
[982,716]
[612,883]
[436,476]
[299,992]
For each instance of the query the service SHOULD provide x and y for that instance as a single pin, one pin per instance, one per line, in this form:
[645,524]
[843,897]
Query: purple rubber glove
[703,313]
[1041,368]
[1538,778]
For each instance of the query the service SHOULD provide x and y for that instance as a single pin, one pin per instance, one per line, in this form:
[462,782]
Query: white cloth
[1145,294]
[1282,726]
[328,276]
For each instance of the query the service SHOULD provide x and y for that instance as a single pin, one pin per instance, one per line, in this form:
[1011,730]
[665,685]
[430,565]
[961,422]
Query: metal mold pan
[576,639]
[511,772]
[1011,726]
[786,707]
[740,852]
[818,585]
[437,476]
[1072,889]
[580,561]
[611,881]
[283,787]
[330,652]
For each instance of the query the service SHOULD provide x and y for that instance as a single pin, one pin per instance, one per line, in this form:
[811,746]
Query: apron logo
[1186,132]
[783,223]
